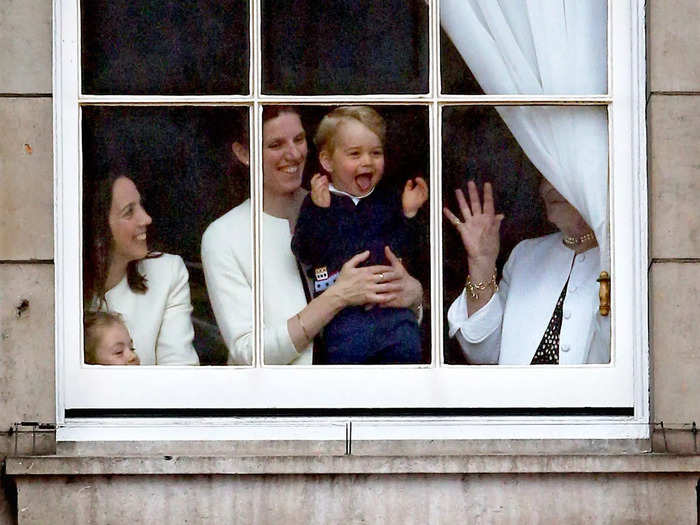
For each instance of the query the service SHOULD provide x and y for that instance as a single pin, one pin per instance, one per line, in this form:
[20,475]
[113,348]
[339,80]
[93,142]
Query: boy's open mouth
[364,181]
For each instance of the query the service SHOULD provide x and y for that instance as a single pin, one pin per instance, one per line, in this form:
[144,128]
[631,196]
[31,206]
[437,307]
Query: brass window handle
[604,293]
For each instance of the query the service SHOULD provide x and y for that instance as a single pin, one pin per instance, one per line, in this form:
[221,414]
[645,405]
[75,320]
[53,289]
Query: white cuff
[478,326]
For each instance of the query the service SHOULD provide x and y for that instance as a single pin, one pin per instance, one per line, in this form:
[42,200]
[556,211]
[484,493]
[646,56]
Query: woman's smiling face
[284,153]
[128,222]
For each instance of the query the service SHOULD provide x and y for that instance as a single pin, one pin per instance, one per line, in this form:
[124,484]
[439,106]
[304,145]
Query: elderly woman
[290,322]
[545,308]
[150,290]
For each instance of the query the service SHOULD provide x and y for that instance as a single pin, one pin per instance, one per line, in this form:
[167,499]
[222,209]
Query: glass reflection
[164,47]
[316,47]
[536,302]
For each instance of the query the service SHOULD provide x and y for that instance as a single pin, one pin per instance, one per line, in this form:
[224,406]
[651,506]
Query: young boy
[352,213]
[107,340]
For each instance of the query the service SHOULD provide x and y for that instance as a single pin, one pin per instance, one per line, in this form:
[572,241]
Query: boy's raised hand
[320,194]
[415,193]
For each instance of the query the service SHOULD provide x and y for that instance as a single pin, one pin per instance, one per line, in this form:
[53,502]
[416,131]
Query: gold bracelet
[473,288]
[303,328]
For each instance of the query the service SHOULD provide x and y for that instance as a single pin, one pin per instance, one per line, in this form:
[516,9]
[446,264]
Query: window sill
[270,465]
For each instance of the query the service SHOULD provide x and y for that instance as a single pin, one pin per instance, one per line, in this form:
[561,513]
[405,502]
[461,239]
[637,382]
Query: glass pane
[551,47]
[357,207]
[168,47]
[178,160]
[316,47]
[530,237]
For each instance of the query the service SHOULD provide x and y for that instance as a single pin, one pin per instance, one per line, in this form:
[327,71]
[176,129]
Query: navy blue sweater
[328,237]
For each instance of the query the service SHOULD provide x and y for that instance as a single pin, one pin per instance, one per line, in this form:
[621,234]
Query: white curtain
[545,47]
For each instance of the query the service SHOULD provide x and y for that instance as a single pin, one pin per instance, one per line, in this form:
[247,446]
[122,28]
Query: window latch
[604,293]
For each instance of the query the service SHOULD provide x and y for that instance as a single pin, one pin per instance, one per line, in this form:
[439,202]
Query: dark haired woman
[290,324]
[150,290]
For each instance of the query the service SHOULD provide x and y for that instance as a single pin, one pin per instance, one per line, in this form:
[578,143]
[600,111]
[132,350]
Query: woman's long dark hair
[97,245]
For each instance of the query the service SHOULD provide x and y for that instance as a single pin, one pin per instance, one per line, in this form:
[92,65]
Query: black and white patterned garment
[548,351]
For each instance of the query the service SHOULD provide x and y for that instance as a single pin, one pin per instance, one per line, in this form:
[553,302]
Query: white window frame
[623,383]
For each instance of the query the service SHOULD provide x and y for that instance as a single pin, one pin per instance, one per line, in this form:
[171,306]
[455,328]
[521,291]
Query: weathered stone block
[673,37]
[26,179]
[675,352]
[361,498]
[25,46]
[26,344]
[674,193]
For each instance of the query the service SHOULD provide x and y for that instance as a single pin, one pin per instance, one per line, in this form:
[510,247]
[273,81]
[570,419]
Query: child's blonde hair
[93,323]
[327,129]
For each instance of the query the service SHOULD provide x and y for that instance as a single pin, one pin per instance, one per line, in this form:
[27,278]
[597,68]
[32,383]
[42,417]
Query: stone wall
[26,229]
[674,203]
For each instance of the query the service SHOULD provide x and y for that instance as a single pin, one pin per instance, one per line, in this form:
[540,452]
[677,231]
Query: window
[157,88]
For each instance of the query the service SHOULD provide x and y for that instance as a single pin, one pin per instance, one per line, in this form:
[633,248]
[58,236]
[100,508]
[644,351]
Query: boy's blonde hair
[94,322]
[327,129]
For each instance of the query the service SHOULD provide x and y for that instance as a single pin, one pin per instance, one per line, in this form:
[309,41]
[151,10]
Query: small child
[107,340]
[351,214]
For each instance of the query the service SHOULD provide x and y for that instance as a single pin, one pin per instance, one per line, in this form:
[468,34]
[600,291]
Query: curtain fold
[546,47]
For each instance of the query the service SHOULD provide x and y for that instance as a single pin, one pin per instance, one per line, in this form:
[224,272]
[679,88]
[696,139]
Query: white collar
[354,198]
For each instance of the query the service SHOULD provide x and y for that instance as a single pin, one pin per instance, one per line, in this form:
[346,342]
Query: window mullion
[435,235]
[436,273]
[256,186]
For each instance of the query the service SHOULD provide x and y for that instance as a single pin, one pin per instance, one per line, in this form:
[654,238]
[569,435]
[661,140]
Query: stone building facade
[654,481]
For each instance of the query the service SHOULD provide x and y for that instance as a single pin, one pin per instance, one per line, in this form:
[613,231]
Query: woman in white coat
[290,322]
[544,310]
[149,289]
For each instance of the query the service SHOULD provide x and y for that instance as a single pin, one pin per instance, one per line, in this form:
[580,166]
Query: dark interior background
[167,47]
[354,47]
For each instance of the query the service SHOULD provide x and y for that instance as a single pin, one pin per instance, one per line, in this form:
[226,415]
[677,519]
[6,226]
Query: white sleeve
[174,343]
[479,335]
[231,297]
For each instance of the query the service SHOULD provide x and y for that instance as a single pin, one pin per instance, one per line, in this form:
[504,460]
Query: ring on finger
[381,276]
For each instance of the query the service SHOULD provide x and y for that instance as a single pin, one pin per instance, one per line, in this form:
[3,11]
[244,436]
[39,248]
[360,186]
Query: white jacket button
[567,314]
[565,348]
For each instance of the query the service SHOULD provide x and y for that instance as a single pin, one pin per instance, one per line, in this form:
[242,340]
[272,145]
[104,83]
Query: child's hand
[415,193]
[320,194]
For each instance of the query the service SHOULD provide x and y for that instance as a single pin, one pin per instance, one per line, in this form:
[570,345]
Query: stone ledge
[374,448]
[497,464]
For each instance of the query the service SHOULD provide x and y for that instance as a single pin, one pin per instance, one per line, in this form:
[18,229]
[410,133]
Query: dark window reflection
[181,162]
[455,75]
[345,46]
[172,47]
